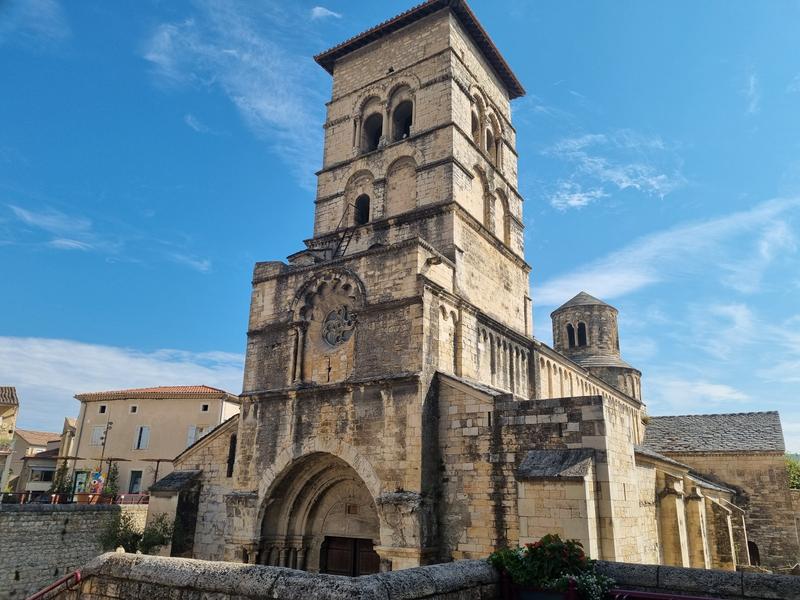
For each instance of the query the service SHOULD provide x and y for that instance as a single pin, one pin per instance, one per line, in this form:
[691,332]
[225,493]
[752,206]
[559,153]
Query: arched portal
[320,517]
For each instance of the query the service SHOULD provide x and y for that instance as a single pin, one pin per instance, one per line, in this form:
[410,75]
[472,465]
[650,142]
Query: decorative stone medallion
[338,326]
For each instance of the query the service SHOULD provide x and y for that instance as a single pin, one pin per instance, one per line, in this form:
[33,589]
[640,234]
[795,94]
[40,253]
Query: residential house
[141,431]
[27,443]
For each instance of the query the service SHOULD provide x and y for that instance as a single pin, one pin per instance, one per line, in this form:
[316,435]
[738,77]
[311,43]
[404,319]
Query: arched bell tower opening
[319,516]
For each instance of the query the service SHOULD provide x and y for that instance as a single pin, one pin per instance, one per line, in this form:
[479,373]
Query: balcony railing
[78,498]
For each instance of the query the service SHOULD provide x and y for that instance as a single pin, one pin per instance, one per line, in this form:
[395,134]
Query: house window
[195,433]
[134,409]
[102,409]
[142,439]
[43,475]
[570,335]
[373,130]
[582,334]
[98,433]
[231,455]
[204,408]
[135,485]
[362,209]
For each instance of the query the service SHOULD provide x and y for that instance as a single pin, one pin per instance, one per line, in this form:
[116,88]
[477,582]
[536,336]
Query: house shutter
[192,435]
[145,437]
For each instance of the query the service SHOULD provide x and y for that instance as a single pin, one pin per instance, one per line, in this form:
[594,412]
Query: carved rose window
[338,326]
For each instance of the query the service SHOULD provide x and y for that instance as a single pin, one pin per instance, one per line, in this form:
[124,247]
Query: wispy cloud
[57,230]
[794,85]
[602,163]
[202,265]
[36,23]
[194,123]
[49,372]
[664,255]
[320,12]
[668,393]
[238,48]
[752,93]
[571,195]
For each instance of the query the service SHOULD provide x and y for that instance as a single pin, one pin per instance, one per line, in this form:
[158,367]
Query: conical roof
[582,299]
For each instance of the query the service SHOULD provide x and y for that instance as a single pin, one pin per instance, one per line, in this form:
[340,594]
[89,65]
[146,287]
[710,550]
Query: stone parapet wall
[40,543]
[123,576]
[725,585]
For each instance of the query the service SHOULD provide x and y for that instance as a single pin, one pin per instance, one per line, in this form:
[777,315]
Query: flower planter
[513,591]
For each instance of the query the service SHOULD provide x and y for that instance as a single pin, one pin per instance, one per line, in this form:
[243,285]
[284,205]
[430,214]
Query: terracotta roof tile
[8,395]
[37,438]
[164,391]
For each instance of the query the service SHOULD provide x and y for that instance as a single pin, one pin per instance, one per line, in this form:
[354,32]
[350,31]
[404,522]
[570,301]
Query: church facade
[396,408]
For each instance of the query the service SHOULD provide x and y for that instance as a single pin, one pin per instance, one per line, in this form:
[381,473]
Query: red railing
[633,595]
[65,583]
[79,498]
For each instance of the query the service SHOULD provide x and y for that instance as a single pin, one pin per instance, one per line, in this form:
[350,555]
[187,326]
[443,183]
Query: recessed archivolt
[336,281]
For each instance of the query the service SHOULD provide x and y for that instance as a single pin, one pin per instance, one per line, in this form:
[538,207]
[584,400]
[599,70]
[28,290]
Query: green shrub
[550,564]
[157,533]
[120,531]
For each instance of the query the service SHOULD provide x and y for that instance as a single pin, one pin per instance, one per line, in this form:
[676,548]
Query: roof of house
[36,438]
[44,454]
[8,395]
[175,481]
[464,14]
[164,391]
[582,299]
[556,464]
[735,432]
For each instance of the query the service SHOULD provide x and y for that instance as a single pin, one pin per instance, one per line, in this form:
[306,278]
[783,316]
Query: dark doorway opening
[362,210]
[348,556]
[755,557]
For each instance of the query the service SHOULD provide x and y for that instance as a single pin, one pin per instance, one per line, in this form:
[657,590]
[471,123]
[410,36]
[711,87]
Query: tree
[793,467]
[62,482]
[121,530]
[111,487]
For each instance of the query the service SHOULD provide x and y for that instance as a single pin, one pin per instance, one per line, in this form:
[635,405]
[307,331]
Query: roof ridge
[752,412]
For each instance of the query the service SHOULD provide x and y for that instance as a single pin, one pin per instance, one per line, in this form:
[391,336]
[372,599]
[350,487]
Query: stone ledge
[59,508]
[699,582]
[115,575]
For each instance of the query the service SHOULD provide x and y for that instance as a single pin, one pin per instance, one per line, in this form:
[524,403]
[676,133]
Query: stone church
[396,408]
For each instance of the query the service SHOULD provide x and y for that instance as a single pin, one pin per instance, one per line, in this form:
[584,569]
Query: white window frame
[142,439]
[133,409]
[205,407]
[98,431]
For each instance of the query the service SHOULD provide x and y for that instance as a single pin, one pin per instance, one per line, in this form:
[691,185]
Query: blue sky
[151,152]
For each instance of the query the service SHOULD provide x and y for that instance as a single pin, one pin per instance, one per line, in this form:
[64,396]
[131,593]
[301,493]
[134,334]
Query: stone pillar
[672,522]
[406,530]
[384,127]
[241,537]
[723,555]
[696,530]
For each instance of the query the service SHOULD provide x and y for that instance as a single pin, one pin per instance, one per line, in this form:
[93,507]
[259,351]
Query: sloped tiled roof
[165,391]
[582,299]
[37,438]
[8,395]
[175,481]
[556,464]
[735,432]
[44,454]
[465,16]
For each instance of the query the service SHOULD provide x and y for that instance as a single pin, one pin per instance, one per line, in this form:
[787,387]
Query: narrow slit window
[582,334]
[570,335]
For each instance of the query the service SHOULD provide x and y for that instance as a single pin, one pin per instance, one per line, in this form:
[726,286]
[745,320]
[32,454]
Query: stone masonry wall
[127,576]
[40,543]
[211,458]
[764,485]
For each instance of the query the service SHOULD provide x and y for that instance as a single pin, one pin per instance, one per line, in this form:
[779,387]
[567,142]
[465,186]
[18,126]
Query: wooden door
[348,556]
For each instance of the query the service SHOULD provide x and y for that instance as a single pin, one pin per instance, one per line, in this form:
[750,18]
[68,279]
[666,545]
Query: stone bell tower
[417,248]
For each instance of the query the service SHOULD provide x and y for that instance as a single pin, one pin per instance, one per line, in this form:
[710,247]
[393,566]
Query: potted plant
[550,569]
